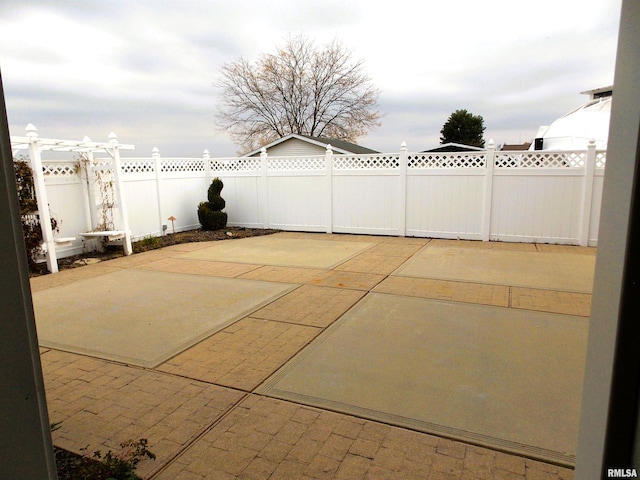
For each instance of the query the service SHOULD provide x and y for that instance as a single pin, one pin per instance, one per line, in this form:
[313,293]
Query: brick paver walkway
[198,409]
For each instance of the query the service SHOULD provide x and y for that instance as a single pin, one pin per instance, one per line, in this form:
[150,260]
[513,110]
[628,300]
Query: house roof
[338,146]
[454,147]
[516,146]
[599,92]
[575,129]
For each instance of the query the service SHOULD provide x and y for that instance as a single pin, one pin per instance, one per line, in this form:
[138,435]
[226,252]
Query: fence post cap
[86,139]
[403,145]
[113,138]
[155,150]
[491,144]
[31,130]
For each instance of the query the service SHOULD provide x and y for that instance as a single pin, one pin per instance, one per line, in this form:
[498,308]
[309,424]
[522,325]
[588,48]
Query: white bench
[64,241]
[111,236]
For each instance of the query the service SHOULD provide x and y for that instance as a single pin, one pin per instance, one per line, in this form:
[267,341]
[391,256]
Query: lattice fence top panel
[60,169]
[296,164]
[540,159]
[601,159]
[242,164]
[446,160]
[365,162]
[102,164]
[182,165]
[138,166]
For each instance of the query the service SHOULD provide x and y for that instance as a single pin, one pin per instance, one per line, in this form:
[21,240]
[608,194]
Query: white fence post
[41,196]
[207,166]
[587,194]
[157,166]
[488,191]
[402,227]
[329,174]
[264,167]
[122,206]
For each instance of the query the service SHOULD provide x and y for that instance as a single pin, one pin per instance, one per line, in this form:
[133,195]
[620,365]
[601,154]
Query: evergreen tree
[463,127]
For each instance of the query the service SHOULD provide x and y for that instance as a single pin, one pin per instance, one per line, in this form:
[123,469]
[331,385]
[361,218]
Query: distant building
[295,144]
[513,147]
[454,147]
[574,130]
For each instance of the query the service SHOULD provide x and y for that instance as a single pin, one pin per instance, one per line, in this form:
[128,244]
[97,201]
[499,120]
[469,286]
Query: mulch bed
[68,463]
[152,243]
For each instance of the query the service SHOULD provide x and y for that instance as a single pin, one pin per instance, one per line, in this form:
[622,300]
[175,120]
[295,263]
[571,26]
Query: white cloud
[146,68]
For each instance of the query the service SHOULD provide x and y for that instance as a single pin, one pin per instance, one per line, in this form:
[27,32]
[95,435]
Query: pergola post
[120,198]
[41,196]
[88,187]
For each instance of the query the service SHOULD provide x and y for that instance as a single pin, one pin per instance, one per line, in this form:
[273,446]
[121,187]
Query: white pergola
[36,145]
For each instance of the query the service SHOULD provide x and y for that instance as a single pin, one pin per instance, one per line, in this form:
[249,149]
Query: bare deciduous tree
[301,89]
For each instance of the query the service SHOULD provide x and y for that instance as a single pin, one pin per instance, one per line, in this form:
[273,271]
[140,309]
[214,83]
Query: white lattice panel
[364,162]
[102,164]
[296,164]
[244,164]
[60,169]
[601,159]
[446,160]
[138,166]
[540,159]
[182,165]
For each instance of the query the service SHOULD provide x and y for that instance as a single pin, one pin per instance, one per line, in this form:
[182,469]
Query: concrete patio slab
[553,271]
[69,276]
[144,317]
[279,250]
[499,377]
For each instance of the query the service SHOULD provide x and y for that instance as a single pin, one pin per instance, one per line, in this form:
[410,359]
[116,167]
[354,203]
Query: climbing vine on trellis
[103,179]
[31,229]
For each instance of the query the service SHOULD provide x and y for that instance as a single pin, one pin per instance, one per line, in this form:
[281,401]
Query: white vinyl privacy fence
[551,197]
[520,196]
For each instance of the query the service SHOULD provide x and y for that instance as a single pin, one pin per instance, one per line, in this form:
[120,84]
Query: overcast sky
[144,69]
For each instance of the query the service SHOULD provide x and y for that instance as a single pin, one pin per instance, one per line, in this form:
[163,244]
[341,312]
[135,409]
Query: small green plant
[115,466]
[151,242]
[210,213]
[147,243]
